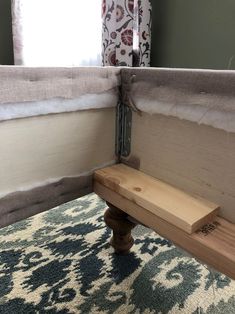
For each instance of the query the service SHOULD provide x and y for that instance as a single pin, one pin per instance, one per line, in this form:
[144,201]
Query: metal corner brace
[125,107]
[123,129]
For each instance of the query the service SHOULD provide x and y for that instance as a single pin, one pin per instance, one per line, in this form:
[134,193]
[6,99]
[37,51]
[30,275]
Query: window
[60,32]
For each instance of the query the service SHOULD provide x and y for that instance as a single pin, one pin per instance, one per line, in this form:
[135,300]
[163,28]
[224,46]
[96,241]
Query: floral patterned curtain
[16,12]
[126,32]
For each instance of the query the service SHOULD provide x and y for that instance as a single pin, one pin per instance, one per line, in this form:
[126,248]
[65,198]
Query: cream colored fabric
[23,84]
[41,150]
[201,96]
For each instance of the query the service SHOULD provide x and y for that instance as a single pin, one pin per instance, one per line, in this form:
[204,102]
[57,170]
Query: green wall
[6,46]
[193,33]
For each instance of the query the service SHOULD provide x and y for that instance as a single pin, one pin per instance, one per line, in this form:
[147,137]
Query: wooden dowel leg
[122,239]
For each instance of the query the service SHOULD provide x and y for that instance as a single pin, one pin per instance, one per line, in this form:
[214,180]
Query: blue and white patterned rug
[60,261]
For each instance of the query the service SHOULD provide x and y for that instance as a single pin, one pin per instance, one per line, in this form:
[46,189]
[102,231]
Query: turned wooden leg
[117,220]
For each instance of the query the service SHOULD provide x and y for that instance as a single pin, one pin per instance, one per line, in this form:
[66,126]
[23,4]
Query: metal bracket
[124,117]
[123,130]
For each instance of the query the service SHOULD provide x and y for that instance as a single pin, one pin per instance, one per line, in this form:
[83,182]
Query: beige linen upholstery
[201,96]
[47,159]
[21,84]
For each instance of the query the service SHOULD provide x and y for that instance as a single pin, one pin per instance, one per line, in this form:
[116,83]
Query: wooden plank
[163,200]
[214,246]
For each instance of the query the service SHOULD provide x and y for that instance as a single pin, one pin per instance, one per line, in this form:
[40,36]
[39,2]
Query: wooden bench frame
[214,244]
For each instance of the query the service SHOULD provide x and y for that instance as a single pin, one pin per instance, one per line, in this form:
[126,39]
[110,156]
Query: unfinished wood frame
[216,248]
[183,133]
[196,158]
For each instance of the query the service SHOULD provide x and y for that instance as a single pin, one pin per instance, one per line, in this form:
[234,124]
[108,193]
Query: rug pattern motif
[60,261]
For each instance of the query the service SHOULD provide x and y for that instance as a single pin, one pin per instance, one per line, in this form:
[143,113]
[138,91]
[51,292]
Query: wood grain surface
[214,244]
[163,200]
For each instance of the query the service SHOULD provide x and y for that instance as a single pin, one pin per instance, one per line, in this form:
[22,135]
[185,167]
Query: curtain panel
[16,12]
[126,34]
